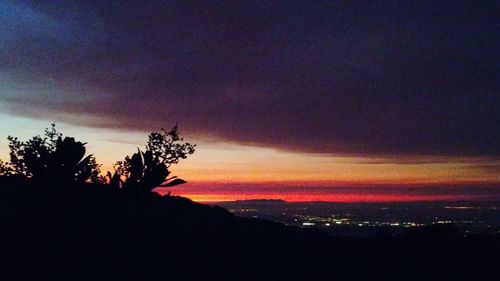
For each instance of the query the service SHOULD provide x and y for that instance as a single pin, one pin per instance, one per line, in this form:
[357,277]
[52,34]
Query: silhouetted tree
[52,158]
[149,169]
[168,147]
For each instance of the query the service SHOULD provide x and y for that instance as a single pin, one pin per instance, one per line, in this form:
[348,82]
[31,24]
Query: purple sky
[361,78]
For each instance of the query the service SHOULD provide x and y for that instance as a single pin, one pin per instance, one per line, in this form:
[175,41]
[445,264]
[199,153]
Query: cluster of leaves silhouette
[50,158]
[53,158]
[148,169]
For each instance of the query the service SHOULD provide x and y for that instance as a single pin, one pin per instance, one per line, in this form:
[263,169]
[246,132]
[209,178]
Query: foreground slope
[93,233]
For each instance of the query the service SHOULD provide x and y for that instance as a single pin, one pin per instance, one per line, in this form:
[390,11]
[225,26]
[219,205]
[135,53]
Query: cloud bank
[370,78]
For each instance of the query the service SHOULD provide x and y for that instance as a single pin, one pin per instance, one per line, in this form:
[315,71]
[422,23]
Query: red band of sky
[360,193]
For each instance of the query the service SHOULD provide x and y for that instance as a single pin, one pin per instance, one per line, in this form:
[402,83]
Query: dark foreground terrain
[94,233]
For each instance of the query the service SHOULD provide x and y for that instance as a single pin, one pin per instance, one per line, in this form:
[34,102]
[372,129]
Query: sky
[278,95]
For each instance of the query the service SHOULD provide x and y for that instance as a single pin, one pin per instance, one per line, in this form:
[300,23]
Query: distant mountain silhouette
[93,232]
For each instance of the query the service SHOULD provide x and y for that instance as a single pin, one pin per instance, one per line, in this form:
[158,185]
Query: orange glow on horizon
[336,193]
[344,198]
[240,171]
[229,163]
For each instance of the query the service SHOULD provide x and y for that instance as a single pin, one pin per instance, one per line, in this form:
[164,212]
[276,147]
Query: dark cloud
[411,77]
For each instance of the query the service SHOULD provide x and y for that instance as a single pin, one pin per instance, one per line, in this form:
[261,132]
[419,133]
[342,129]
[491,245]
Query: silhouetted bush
[144,171]
[58,160]
[50,158]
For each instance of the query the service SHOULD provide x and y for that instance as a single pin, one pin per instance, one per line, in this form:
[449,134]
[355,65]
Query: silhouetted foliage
[51,158]
[5,169]
[149,169]
[168,147]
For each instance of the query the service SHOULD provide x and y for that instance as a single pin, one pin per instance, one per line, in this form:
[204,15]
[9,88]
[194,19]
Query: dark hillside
[94,233]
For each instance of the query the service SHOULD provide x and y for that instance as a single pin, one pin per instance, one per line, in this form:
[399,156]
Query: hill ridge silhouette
[90,232]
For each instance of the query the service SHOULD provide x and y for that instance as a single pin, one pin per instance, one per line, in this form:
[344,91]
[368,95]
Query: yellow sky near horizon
[220,162]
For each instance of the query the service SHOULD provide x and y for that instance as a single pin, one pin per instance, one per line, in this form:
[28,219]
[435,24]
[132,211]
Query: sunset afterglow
[223,171]
[292,95]
[249,140]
